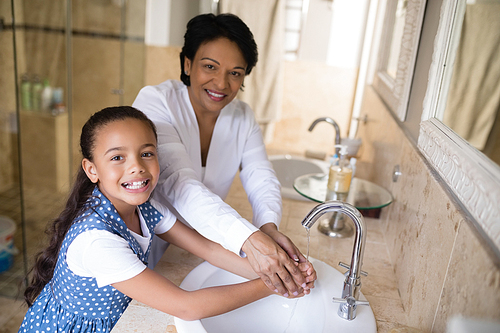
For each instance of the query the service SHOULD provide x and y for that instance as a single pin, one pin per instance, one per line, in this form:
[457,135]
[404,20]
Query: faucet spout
[352,283]
[334,124]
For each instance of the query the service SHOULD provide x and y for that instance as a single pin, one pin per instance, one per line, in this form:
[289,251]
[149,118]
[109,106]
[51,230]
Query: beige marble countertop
[379,287]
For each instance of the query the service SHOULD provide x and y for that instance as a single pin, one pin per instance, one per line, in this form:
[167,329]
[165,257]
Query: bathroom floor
[40,207]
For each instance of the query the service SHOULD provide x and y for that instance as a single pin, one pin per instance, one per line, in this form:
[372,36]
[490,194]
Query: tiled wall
[442,266]
[162,63]
[96,72]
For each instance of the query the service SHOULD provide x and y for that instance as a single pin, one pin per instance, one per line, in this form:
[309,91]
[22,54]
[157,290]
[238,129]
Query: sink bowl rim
[192,282]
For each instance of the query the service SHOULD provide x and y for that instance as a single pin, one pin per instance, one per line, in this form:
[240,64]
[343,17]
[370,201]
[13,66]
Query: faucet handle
[346,266]
[350,301]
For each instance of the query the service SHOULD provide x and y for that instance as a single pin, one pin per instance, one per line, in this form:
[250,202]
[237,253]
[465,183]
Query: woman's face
[216,74]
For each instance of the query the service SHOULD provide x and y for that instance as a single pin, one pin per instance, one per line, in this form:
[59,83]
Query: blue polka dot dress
[72,303]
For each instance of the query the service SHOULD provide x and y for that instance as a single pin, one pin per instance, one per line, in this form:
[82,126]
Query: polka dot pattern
[72,303]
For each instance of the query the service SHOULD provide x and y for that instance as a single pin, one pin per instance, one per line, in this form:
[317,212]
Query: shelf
[362,194]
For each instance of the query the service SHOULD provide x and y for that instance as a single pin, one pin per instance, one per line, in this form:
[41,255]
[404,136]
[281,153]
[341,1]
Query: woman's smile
[215,96]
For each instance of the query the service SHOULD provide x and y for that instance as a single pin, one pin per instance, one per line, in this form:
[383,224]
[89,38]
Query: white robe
[236,144]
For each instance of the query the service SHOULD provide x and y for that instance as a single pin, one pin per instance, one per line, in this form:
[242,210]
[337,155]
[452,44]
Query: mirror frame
[470,176]
[396,91]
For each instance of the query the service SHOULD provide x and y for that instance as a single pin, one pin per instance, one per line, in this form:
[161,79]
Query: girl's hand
[309,274]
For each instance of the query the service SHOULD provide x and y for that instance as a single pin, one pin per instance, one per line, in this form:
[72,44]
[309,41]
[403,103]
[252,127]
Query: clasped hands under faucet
[294,279]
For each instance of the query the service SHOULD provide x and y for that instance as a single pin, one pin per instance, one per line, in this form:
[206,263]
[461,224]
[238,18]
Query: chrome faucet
[352,283]
[334,124]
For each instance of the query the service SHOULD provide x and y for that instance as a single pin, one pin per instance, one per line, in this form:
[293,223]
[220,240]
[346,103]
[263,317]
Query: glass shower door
[61,61]
[11,263]
[35,104]
[107,58]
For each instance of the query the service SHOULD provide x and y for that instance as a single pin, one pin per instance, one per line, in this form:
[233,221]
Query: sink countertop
[379,287]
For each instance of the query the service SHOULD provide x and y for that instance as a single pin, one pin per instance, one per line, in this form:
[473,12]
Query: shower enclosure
[60,61]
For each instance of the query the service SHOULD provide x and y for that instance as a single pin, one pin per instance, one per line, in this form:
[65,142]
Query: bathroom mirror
[463,97]
[398,51]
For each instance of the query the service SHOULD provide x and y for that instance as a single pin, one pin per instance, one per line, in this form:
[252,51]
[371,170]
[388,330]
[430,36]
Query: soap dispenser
[340,175]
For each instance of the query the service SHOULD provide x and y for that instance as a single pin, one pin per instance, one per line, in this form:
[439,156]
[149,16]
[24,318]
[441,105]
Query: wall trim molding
[396,91]
[469,174]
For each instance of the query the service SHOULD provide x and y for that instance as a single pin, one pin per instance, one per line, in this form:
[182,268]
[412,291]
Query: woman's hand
[273,265]
[286,244]
[305,266]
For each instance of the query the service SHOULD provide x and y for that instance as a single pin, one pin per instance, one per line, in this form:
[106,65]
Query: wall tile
[472,284]
[48,13]
[421,230]
[424,238]
[96,71]
[133,71]
[96,16]
[162,63]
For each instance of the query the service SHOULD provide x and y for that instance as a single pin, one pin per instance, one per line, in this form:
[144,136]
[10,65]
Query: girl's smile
[138,186]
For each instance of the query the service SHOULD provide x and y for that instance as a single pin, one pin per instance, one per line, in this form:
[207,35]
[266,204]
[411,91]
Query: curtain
[474,95]
[264,86]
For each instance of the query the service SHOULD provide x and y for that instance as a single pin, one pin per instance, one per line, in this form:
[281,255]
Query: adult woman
[206,136]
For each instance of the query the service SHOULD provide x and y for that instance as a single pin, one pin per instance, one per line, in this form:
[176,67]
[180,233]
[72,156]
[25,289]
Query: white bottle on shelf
[46,96]
[36,94]
[340,175]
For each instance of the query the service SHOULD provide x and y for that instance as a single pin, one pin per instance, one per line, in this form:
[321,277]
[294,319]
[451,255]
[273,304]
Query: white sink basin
[274,314]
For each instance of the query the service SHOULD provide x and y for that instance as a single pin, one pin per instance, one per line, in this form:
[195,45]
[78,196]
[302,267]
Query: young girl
[96,262]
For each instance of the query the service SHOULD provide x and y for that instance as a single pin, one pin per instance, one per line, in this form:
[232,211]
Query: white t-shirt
[107,256]
[196,196]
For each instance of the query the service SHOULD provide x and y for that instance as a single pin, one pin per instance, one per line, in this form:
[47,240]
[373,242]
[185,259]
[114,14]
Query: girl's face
[216,74]
[125,164]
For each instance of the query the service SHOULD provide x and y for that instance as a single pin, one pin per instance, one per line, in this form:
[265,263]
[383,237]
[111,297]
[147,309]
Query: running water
[308,241]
